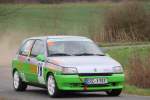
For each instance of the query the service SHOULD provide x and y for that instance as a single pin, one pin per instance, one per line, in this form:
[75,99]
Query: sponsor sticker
[51,43]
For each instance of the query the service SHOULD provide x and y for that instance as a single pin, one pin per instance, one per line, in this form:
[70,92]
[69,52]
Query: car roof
[61,38]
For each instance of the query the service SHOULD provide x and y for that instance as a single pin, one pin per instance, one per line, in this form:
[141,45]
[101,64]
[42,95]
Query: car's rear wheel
[114,92]
[18,84]
[52,88]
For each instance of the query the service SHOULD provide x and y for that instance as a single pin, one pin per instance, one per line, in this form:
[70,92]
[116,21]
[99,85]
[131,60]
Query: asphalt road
[32,93]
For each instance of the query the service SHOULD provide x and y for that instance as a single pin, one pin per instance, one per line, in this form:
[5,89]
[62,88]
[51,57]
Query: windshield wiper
[83,54]
[99,54]
[60,54]
[88,54]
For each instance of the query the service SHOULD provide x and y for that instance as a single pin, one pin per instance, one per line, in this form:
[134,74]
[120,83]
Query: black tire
[21,85]
[115,92]
[56,92]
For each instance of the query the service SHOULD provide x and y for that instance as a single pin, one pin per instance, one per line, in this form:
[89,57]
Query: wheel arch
[48,73]
[14,69]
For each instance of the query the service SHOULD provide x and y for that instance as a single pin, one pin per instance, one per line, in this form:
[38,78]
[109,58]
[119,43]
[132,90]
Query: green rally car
[65,63]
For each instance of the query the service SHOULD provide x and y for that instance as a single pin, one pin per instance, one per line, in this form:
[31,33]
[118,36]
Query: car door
[23,58]
[36,67]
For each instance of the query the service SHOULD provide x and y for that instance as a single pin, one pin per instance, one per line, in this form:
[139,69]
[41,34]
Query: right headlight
[117,69]
[69,70]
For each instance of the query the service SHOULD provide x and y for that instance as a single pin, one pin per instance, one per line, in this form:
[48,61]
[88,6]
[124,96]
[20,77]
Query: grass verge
[44,19]
[136,91]
[123,55]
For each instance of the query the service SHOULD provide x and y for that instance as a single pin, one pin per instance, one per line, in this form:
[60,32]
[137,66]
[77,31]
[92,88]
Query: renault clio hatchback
[65,63]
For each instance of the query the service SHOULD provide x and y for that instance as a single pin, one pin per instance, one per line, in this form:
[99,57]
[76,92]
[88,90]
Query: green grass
[71,19]
[104,44]
[136,91]
[63,19]
[122,55]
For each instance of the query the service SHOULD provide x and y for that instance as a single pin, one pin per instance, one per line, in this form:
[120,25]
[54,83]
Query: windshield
[73,48]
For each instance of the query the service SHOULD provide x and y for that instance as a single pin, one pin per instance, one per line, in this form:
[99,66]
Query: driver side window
[26,48]
[38,48]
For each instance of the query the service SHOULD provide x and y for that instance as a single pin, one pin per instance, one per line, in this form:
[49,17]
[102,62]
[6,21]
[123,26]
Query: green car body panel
[29,73]
[74,82]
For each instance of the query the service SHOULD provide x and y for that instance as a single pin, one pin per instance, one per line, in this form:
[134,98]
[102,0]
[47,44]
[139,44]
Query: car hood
[86,64]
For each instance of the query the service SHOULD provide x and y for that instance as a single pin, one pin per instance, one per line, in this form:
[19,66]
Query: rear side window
[38,48]
[26,48]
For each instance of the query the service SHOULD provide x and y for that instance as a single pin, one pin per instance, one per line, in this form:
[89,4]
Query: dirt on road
[8,48]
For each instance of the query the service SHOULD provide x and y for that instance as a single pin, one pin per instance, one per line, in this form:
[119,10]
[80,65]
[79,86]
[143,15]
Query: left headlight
[117,69]
[69,70]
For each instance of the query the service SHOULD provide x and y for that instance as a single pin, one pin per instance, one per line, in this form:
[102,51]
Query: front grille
[91,85]
[95,74]
[97,85]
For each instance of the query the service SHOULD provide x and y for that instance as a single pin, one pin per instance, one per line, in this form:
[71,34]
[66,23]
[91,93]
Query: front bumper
[76,82]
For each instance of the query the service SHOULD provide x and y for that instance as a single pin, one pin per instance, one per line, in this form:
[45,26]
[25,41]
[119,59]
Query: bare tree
[129,19]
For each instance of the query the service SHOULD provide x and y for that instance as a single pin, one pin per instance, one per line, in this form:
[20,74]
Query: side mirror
[40,57]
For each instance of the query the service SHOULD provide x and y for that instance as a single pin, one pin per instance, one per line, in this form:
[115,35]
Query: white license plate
[95,81]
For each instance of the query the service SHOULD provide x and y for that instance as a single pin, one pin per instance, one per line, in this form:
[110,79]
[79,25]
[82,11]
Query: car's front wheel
[18,84]
[52,88]
[115,92]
